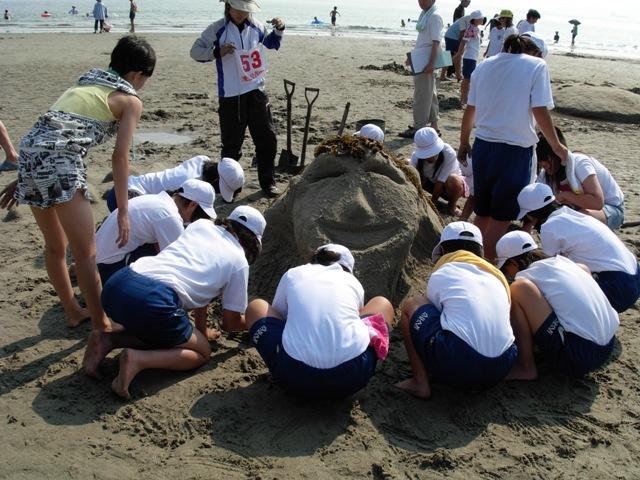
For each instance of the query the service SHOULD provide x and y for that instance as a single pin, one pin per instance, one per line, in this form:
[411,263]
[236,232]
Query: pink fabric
[378,334]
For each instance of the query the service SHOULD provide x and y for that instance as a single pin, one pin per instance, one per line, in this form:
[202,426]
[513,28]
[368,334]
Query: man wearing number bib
[237,44]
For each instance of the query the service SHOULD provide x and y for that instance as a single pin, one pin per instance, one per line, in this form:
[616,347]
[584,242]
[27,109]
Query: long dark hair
[519,44]
[326,257]
[248,240]
[450,246]
[436,166]
[524,260]
[545,152]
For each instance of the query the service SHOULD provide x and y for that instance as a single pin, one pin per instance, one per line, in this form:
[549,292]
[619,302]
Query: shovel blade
[287,160]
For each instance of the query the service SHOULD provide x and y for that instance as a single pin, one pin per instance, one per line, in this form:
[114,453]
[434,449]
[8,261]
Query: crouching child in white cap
[155,221]
[226,177]
[319,339]
[556,306]
[583,239]
[151,297]
[459,333]
[437,164]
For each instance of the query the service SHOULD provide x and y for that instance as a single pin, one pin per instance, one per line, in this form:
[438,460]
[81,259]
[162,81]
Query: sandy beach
[228,420]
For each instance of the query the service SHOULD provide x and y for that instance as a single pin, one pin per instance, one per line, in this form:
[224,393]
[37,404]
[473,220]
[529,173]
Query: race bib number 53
[252,64]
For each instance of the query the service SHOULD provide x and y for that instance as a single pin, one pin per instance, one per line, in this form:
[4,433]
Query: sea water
[608,28]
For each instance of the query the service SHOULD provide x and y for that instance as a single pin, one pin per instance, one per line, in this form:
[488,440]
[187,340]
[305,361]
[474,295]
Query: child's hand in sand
[227,48]
[7,199]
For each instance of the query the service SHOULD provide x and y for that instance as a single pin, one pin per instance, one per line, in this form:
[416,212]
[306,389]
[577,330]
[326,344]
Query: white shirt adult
[474,306]
[586,240]
[458,27]
[204,263]
[432,32]
[524,26]
[449,166]
[575,297]
[152,219]
[321,305]
[169,179]
[504,90]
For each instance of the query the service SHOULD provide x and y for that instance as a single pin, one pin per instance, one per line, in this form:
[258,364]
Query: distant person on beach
[459,10]
[333,14]
[585,240]
[155,221]
[574,34]
[458,332]
[556,37]
[529,24]
[52,178]
[437,165]
[7,15]
[151,297]
[73,11]
[10,154]
[236,42]
[425,98]
[469,51]
[319,339]
[509,94]
[226,177]
[133,9]
[581,182]
[452,39]
[556,306]
[99,15]
[402,24]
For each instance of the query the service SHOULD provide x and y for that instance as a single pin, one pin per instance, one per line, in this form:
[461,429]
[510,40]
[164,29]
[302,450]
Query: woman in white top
[439,169]
[317,337]
[557,306]
[155,222]
[151,297]
[497,35]
[594,191]
[226,177]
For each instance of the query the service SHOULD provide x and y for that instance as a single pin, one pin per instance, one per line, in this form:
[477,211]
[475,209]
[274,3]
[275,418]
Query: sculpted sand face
[359,196]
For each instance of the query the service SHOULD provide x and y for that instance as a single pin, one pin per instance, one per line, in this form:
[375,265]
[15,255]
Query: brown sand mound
[360,195]
[610,104]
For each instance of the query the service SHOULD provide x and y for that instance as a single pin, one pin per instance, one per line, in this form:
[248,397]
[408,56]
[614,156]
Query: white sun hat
[374,132]
[514,244]
[346,257]
[231,178]
[200,192]
[250,218]
[457,231]
[250,6]
[428,143]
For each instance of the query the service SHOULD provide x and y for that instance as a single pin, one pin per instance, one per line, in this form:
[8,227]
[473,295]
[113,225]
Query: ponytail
[247,239]
[519,44]
[326,257]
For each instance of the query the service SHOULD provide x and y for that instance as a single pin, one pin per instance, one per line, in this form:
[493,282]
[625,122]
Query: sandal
[7,166]
[408,133]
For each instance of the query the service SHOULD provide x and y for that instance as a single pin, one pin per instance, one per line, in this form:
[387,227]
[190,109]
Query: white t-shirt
[472,40]
[152,219]
[586,240]
[169,179]
[497,37]
[458,27]
[585,166]
[504,89]
[205,262]
[449,166]
[321,306]
[575,297]
[431,33]
[524,27]
[474,306]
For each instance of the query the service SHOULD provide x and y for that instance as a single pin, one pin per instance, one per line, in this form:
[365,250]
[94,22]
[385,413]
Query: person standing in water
[333,14]
[133,8]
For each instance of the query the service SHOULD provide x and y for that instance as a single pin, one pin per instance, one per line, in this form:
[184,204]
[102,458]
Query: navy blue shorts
[621,288]
[107,269]
[146,308]
[451,44]
[112,203]
[300,379]
[500,172]
[468,66]
[567,351]
[449,359]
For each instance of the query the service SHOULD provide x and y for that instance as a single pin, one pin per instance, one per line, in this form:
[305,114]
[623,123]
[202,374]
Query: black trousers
[251,110]
[95,25]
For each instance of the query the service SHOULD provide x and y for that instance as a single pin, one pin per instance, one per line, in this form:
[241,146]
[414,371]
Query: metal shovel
[287,158]
[310,103]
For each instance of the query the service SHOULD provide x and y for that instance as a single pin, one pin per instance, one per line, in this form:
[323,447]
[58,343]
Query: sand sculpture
[358,194]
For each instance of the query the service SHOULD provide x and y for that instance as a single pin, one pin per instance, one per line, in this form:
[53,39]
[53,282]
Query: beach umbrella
[575,22]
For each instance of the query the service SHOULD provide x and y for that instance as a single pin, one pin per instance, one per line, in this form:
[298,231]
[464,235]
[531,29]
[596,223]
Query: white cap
[346,258]
[514,244]
[476,15]
[457,231]
[533,197]
[200,192]
[250,218]
[371,131]
[539,41]
[231,178]
[428,143]
[244,5]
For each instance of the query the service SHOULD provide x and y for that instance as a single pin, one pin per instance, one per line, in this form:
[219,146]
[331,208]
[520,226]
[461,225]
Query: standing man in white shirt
[529,25]
[425,99]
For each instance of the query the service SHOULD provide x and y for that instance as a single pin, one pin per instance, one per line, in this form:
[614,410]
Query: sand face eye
[384,168]
[326,168]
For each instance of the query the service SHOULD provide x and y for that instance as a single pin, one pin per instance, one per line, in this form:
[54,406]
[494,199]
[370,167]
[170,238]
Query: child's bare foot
[98,347]
[128,370]
[518,372]
[411,386]
[213,334]
[78,318]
